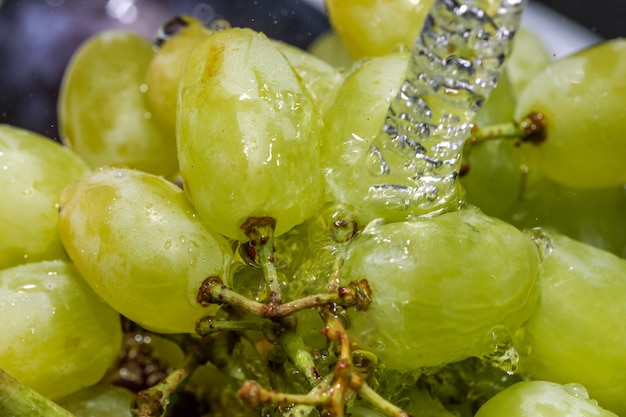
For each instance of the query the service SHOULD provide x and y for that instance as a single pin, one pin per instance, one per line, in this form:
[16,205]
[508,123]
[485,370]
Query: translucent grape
[377,27]
[139,243]
[163,73]
[57,335]
[577,332]
[320,78]
[99,401]
[103,109]
[528,58]
[581,98]
[34,170]
[329,47]
[248,134]
[443,288]
[541,399]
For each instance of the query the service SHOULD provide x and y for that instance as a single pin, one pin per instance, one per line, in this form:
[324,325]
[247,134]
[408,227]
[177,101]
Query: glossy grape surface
[34,172]
[139,243]
[581,98]
[542,399]
[444,288]
[577,333]
[248,134]
[57,335]
[103,109]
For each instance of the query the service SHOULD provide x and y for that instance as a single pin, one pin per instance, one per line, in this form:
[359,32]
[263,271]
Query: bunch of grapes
[238,227]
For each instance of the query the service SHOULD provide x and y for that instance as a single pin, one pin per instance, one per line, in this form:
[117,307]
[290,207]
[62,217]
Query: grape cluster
[195,248]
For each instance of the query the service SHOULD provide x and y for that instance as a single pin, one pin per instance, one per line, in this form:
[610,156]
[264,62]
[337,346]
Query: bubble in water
[119,174]
[542,240]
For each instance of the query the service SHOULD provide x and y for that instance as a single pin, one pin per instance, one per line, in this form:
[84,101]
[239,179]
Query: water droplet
[168,244]
[119,174]
[182,239]
[499,350]
[576,390]
[143,87]
[52,273]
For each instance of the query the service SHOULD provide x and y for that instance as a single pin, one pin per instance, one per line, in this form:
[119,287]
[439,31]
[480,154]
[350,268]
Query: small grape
[577,332]
[99,401]
[34,172]
[139,243]
[580,98]
[444,288]
[247,134]
[528,58]
[57,335]
[103,108]
[542,399]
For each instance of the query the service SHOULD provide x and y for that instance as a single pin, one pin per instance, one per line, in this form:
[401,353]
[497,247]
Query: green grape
[495,173]
[377,27]
[247,134]
[528,57]
[34,172]
[353,121]
[103,108]
[329,47]
[320,78]
[577,332]
[444,289]
[99,401]
[139,243]
[581,98]
[163,73]
[594,217]
[542,399]
[57,335]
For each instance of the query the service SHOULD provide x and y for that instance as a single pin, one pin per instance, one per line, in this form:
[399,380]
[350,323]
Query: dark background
[38,37]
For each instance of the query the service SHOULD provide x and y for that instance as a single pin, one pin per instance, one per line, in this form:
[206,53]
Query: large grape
[57,334]
[528,57]
[247,134]
[103,109]
[444,288]
[34,172]
[542,399]
[577,332]
[377,27]
[581,99]
[139,243]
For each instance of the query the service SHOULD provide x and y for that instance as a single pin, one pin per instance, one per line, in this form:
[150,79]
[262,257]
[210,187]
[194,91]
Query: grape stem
[19,400]
[531,129]
[158,400]
[331,392]
[356,294]
[260,231]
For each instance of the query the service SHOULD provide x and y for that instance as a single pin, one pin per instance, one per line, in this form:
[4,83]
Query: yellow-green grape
[528,57]
[594,217]
[377,27]
[444,288]
[248,134]
[581,99]
[34,170]
[577,332]
[139,243]
[494,169]
[353,121]
[329,47]
[163,73]
[103,109]
[542,399]
[320,78]
[99,401]
[58,336]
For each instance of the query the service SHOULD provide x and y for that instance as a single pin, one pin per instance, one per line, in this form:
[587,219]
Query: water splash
[413,163]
